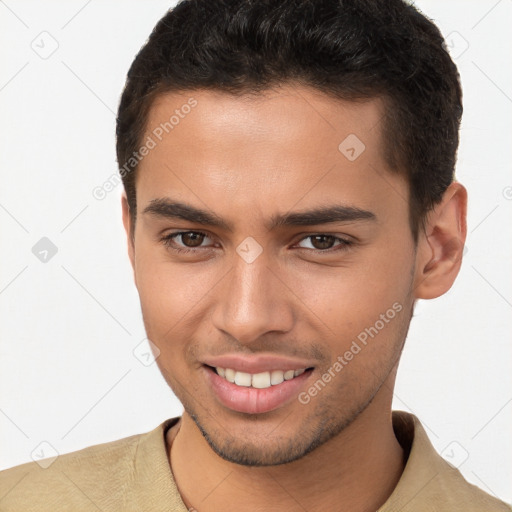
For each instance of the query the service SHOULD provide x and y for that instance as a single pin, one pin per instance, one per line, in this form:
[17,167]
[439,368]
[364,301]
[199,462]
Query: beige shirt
[133,474]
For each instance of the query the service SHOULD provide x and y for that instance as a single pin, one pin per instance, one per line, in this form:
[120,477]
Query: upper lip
[256,363]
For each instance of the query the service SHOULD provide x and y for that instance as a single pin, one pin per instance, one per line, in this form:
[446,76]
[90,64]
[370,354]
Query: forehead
[286,145]
[285,113]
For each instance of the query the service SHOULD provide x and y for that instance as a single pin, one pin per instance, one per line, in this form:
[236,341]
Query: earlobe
[441,245]
[127,222]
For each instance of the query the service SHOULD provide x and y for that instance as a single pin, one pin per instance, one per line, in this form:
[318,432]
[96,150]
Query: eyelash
[168,241]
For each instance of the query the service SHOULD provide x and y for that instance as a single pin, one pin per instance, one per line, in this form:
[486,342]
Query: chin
[278,446]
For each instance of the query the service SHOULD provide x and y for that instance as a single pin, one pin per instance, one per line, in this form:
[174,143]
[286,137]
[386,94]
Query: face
[271,248]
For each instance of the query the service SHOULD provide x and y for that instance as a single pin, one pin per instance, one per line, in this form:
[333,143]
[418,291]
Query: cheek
[348,300]
[171,295]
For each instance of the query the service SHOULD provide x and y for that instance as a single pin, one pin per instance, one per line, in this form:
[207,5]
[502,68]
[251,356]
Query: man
[289,196]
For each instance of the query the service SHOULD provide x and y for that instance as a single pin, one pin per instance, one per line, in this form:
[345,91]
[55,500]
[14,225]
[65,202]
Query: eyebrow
[169,209]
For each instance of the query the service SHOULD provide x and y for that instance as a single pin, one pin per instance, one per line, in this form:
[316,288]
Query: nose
[252,302]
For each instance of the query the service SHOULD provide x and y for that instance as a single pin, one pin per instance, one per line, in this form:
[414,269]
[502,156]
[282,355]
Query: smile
[256,393]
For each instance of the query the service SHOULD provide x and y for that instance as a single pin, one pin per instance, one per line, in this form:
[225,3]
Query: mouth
[256,393]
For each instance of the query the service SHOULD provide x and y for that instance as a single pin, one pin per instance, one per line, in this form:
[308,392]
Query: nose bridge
[252,303]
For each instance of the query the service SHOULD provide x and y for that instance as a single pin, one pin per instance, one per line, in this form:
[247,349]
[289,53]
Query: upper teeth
[258,380]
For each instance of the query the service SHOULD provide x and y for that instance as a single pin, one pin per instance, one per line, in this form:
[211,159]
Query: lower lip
[252,400]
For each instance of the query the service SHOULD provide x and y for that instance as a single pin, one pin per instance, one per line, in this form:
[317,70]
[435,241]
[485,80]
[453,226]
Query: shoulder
[429,482]
[454,491]
[103,476]
[69,475]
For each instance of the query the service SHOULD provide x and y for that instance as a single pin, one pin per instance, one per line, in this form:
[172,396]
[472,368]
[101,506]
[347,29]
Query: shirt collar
[426,478]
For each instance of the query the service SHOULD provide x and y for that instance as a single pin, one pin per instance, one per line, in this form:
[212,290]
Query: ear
[441,244]
[129,228]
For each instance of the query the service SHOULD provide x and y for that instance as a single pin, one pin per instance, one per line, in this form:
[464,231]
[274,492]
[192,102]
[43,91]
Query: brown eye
[322,241]
[186,241]
[192,239]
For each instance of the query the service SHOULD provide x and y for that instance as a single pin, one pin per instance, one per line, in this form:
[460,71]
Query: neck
[357,471]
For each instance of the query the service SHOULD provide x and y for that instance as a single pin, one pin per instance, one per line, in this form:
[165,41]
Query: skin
[246,159]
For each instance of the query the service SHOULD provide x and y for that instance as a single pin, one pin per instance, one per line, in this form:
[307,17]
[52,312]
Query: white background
[69,326]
